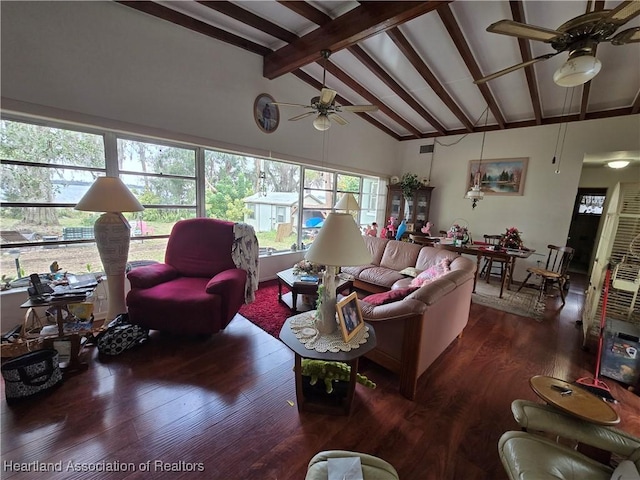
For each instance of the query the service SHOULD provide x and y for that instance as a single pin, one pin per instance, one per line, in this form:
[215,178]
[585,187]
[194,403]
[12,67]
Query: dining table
[482,250]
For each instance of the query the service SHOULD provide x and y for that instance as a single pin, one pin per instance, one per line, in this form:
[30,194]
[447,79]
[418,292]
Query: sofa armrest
[544,418]
[405,308]
[227,281]
[151,275]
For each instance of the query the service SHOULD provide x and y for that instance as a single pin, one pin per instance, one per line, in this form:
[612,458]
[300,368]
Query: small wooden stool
[373,468]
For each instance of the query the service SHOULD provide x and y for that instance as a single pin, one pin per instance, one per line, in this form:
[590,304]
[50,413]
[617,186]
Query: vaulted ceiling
[417,61]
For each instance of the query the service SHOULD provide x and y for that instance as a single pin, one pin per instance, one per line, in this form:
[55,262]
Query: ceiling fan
[324,105]
[579,36]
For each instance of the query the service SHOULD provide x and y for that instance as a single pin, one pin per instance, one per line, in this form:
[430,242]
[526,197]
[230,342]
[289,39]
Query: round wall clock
[265,113]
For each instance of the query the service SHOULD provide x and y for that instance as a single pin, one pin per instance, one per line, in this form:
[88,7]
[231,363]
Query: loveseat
[414,330]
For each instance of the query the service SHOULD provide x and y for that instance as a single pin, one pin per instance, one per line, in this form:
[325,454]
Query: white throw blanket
[245,253]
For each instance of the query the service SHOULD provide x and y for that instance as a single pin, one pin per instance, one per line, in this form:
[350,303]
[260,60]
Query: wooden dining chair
[492,266]
[554,274]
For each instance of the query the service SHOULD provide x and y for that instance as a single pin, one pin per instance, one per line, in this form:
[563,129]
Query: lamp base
[326,314]
[113,235]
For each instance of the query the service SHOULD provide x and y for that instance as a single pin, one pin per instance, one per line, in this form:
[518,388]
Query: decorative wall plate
[265,113]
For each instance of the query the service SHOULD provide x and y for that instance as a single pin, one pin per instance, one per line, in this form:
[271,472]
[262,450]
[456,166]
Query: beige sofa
[414,331]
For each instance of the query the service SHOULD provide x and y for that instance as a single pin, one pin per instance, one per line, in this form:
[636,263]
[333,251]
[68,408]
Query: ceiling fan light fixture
[577,71]
[322,122]
[618,163]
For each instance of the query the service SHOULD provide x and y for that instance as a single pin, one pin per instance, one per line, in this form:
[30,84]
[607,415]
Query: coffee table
[579,402]
[292,281]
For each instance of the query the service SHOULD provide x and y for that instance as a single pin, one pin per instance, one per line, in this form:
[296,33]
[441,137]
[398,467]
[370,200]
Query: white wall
[543,212]
[111,62]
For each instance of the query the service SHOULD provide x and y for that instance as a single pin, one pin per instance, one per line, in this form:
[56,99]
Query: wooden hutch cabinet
[414,210]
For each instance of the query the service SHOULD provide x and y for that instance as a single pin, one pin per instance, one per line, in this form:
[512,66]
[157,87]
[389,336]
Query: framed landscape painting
[504,176]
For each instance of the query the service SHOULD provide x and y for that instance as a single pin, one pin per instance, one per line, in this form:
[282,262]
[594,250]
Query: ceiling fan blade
[523,30]
[623,13]
[513,68]
[327,95]
[630,35]
[283,104]
[360,108]
[337,118]
[304,115]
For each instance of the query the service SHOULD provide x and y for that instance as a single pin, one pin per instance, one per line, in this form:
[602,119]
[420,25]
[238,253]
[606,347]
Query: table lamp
[339,243]
[348,203]
[112,233]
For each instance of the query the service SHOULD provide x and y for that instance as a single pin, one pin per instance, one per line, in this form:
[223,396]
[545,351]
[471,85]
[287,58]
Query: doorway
[583,232]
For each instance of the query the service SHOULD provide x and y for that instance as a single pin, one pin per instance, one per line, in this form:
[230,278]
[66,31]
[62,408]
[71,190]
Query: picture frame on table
[349,316]
[265,113]
[504,176]
[410,227]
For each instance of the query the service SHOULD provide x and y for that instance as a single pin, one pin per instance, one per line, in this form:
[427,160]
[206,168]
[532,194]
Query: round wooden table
[574,400]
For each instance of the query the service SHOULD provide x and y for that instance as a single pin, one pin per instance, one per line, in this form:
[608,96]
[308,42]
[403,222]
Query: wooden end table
[580,402]
[292,281]
[351,357]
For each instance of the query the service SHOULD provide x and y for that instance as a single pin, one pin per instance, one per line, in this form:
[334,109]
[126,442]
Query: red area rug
[267,312]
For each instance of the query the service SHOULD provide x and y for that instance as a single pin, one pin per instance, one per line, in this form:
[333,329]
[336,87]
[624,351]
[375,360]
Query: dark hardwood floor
[222,404]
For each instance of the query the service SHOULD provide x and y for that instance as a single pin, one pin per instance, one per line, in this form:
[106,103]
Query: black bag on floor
[121,335]
[31,374]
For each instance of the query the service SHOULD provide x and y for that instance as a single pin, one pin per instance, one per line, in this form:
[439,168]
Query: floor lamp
[112,233]
[339,243]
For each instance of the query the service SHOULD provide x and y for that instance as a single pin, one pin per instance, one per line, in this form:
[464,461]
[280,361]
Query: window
[47,167]
[260,192]
[45,170]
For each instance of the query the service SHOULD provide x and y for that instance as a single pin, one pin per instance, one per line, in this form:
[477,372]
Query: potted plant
[409,184]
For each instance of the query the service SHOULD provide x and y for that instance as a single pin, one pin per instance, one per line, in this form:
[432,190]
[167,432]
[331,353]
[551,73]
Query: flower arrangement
[305,267]
[511,239]
[409,184]
[458,231]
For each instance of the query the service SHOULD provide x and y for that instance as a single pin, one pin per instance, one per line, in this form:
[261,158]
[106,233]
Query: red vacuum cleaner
[594,384]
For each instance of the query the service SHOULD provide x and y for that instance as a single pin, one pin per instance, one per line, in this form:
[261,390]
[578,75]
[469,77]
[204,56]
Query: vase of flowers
[511,239]
[305,267]
[459,233]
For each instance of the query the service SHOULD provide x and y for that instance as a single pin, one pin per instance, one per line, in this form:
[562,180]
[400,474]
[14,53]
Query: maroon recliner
[198,289]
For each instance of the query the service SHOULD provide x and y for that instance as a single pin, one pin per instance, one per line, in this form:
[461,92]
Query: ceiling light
[322,122]
[618,164]
[577,70]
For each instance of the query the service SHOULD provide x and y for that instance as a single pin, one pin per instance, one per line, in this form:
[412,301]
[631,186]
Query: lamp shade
[339,243]
[577,70]
[322,122]
[109,194]
[348,203]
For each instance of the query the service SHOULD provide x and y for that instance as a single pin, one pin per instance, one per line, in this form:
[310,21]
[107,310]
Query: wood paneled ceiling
[417,61]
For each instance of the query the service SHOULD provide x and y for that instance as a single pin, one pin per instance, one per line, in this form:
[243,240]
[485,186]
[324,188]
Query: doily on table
[303,327]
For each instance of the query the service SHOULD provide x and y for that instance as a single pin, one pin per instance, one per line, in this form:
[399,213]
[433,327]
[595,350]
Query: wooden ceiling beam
[185,21]
[364,21]
[408,51]
[251,19]
[517,12]
[364,57]
[307,11]
[635,108]
[356,87]
[465,52]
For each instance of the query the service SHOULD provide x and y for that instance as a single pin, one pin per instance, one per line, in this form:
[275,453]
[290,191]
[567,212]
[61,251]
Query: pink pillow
[388,297]
[430,274]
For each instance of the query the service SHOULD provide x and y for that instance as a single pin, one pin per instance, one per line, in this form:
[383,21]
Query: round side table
[317,404]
